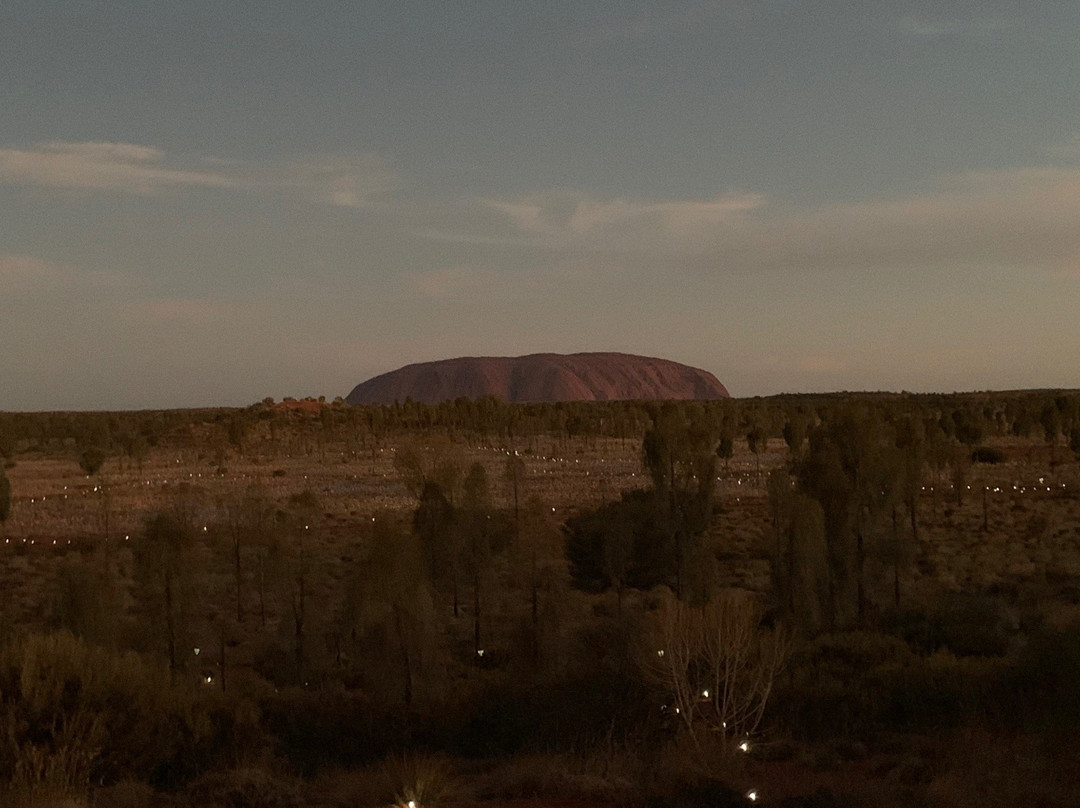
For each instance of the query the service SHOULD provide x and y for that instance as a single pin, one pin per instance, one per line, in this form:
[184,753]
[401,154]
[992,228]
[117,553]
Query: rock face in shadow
[541,377]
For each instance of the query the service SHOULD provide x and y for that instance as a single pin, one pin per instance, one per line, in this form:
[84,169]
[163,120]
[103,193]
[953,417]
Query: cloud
[28,275]
[20,273]
[350,181]
[187,310]
[443,284]
[920,27]
[680,218]
[1019,218]
[122,167]
[566,220]
[647,25]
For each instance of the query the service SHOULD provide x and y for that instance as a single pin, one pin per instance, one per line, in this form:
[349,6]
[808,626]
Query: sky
[208,203]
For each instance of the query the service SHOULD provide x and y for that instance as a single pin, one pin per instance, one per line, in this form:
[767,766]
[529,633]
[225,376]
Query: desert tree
[438,463]
[514,476]
[479,539]
[536,556]
[246,519]
[390,605]
[160,570]
[679,453]
[5,496]
[1051,422]
[91,458]
[714,661]
[800,570]
[436,528]
[851,468]
[757,442]
[296,527]
[795,432]
[911,441]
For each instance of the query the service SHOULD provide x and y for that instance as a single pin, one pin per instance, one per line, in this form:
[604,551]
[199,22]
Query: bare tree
[715,661]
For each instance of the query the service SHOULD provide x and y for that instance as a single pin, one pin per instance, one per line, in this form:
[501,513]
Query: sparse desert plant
[246,787]
[422,780]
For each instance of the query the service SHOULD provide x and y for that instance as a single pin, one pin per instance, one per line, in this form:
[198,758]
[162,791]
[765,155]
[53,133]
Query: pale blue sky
[205,203]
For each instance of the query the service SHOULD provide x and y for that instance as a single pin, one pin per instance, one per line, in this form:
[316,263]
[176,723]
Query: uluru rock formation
[541,377]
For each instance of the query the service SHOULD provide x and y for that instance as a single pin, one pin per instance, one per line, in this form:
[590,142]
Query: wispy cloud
[123,167]
[29,275]
[349,181]
[341,180]
[654,22]
[188,310]
[930,28]
[1019,218]
[572,219]
[451,282]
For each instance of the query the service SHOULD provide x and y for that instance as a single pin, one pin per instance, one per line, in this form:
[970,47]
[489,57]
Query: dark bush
[1041,691]
[860,683]
[105,717]
[987,454]
[316,728]
[243,788]
[977,625]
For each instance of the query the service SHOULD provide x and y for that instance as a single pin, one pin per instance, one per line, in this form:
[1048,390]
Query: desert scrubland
[810,600]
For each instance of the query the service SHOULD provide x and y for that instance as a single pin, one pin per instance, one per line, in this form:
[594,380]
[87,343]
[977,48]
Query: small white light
[412,803]
[480,652]
[197,650]
[705,694]
[744,747]
[752,795]
[660,653]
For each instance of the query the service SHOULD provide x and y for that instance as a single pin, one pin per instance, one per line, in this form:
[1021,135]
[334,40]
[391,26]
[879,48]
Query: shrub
[422,779]
[72,713]
[987,454]
[1040,691]
[243,788]
[861,682]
